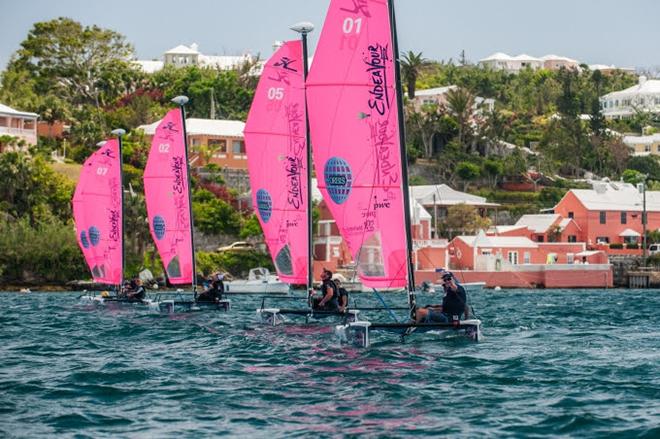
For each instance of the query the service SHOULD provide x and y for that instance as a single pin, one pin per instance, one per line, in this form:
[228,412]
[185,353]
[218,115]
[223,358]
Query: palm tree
[412,65]
[460,103]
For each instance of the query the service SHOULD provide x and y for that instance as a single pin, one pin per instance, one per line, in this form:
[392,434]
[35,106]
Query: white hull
[361,333]
[256,287]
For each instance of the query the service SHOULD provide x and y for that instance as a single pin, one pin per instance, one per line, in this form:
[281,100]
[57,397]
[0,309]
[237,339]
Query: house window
[237,147]
[513,258]
[603,239]
[603,217]
[624,219]
[527,258]
[570,258]
[572,238]
[218,145]
[658,148]
[647,148]
[540,238]
[571,215]
[28,124]
[3,122]
[630,240]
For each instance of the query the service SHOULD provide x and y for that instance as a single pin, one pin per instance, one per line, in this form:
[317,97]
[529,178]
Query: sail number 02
[352,24]
[276,93]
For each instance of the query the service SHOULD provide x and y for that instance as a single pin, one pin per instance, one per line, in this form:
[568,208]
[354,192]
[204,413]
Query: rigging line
[380,298]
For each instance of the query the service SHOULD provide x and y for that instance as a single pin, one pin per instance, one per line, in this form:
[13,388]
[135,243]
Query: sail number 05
[276,93]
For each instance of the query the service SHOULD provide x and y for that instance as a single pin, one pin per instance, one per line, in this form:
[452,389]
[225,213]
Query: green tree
[251,228]
[464,219]
[467,172]
[412,65]
[633,177]
[214,216]
[79,64]
[460,103]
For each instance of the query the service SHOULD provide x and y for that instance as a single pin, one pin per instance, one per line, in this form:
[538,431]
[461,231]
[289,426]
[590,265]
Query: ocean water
[560,363]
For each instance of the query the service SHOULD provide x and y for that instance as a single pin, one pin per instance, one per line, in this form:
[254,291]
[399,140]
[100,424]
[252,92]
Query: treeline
[556,114]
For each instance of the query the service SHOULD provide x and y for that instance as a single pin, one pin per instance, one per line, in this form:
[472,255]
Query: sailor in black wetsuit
[453,304]
[329,300]
[343,296]
[215,291]
[139,294]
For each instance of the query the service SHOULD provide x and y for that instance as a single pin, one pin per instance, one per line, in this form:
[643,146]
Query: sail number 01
[352,24]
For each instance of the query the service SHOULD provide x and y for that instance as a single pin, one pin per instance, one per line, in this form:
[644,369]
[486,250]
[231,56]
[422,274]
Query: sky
[626,34]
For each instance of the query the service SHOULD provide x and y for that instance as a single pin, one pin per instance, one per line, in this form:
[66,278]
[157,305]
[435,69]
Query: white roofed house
[222,140]
[643,97]
[556,62]
[438,96]
[511,64]
[185,56]
[20,125]
[643,145]
[437,199]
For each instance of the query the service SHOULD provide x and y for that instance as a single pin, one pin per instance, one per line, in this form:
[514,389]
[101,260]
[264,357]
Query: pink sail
[355,137]
[97,213]
[277,151]
[168,205]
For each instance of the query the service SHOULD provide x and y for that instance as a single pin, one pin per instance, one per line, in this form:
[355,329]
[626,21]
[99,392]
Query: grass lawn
[71,170]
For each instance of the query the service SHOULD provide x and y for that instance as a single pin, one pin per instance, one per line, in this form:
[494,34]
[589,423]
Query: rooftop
[483,241]
[644,86]
[616,197]
[446,196]
[4,109]
[538,223]
[211,127]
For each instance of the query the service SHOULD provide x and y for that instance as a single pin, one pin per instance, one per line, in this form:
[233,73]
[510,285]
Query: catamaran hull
[238,287]
[277,316]
[182,306]
[119,303]
[361,333]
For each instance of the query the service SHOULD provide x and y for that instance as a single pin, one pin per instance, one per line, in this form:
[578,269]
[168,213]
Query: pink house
[517,261]
[19,124]
[541,228]
[610,213]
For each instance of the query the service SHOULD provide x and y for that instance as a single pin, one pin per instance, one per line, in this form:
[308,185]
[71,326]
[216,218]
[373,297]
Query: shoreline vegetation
[458,143]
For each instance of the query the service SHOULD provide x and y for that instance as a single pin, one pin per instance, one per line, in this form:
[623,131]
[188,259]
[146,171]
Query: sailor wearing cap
[454,304]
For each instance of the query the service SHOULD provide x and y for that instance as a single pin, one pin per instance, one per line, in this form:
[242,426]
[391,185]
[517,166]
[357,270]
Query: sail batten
[352,99]
[275,138]
[166,188]
[97,213]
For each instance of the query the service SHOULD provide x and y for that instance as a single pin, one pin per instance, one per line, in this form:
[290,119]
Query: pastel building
[185,56]
[541,228]
[438,96]
[643,97]
[643,145]
[19,124]
[610,213]
[517,261]
[221,139]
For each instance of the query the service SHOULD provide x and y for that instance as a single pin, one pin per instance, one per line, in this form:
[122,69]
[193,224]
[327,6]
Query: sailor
[215,291]
[453,304]
[139,293]
[343,295]
[329,300]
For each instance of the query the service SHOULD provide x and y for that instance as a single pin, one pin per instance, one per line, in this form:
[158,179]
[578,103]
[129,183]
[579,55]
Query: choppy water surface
[554,362]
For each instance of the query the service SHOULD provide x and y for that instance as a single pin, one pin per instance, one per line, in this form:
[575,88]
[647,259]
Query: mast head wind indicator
[180,100]
[118,132]
[303,27]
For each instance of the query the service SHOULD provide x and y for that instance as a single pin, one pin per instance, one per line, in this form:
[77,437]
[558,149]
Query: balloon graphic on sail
[167,198]
[355,137]
[97,213]
[277,156]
